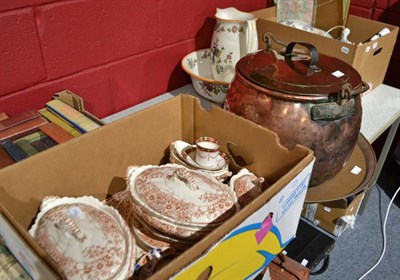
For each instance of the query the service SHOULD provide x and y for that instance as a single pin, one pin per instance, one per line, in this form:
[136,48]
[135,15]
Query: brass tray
[345,183]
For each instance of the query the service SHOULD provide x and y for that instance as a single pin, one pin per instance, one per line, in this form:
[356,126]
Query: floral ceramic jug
[234,36]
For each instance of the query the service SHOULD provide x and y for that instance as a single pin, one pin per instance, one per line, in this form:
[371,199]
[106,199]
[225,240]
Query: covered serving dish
[305,97]
[247,186]
[179,201]
[85,238]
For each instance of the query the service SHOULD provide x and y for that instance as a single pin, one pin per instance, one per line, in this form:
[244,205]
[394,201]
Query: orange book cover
[55,132]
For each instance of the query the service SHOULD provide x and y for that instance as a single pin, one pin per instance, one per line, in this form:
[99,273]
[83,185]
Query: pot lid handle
[313,51]
[268,37]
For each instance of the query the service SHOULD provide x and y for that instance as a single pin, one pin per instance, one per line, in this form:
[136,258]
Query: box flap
[76,102]
[328,14]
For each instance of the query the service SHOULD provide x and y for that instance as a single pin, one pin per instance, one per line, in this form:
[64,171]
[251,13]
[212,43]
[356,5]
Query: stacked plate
[184,154]
[174,205]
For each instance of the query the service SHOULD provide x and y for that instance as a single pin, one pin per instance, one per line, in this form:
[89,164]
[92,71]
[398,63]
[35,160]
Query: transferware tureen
[85,238]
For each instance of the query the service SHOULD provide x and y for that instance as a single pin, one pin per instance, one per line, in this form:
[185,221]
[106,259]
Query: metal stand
[381,161]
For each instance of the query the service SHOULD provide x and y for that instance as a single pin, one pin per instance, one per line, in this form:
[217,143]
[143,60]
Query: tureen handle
[130,170]
[69,224]
[261,183]
[185,176]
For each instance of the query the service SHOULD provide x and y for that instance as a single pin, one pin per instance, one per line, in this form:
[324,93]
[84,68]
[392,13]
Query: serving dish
[151,238]
[86,238]
[247,186]
[198,65]
[178,200]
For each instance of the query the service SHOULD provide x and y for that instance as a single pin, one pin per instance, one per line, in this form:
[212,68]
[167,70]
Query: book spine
[72,116]
[47,141]
[3,274]
[18,119]
[5,158]
[55,132]
[59,121]
[38,144]
[32,137]
[10,268]
[24,145]
[22,129]
[16,153]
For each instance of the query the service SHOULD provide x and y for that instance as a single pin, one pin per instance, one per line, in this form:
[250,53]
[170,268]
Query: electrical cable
[333,28]
[384,236]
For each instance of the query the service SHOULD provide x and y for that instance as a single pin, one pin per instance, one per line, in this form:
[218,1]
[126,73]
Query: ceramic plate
[189,155]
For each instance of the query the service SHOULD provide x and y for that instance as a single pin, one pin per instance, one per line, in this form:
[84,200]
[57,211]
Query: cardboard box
[370,59]
[334,216]
[95,164]
[75,101]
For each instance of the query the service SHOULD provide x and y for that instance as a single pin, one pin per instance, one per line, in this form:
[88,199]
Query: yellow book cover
[32,137]
[60,122]
[72,116]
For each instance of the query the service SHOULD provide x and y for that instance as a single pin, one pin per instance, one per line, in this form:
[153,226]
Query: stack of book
[30,132]
[10,268]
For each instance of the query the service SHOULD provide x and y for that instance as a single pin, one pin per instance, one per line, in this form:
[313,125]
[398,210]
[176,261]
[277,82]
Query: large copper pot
[306,98]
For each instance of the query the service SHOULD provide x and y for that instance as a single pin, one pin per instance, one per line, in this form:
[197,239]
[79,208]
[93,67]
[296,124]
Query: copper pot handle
[348,92]
[313,51]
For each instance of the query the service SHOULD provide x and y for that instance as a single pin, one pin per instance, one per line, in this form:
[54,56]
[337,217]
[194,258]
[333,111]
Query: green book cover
[26,146]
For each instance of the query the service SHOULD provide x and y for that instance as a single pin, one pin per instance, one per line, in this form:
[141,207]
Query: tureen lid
[299,73]
[180,195]
[86,238]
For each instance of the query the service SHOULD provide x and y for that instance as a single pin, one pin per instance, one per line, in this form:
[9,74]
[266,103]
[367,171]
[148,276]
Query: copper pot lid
[300,72]
[180,195]
[87,239]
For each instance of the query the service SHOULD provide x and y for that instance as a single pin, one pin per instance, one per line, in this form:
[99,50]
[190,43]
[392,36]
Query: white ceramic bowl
[198,65]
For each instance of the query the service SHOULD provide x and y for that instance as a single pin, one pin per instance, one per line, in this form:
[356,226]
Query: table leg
[381,161]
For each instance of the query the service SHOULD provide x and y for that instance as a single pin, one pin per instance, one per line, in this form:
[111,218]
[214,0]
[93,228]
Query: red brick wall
[114,54]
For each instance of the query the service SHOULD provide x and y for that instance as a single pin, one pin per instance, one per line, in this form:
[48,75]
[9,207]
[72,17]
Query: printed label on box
[294,196]
[345,50]
[252,245]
